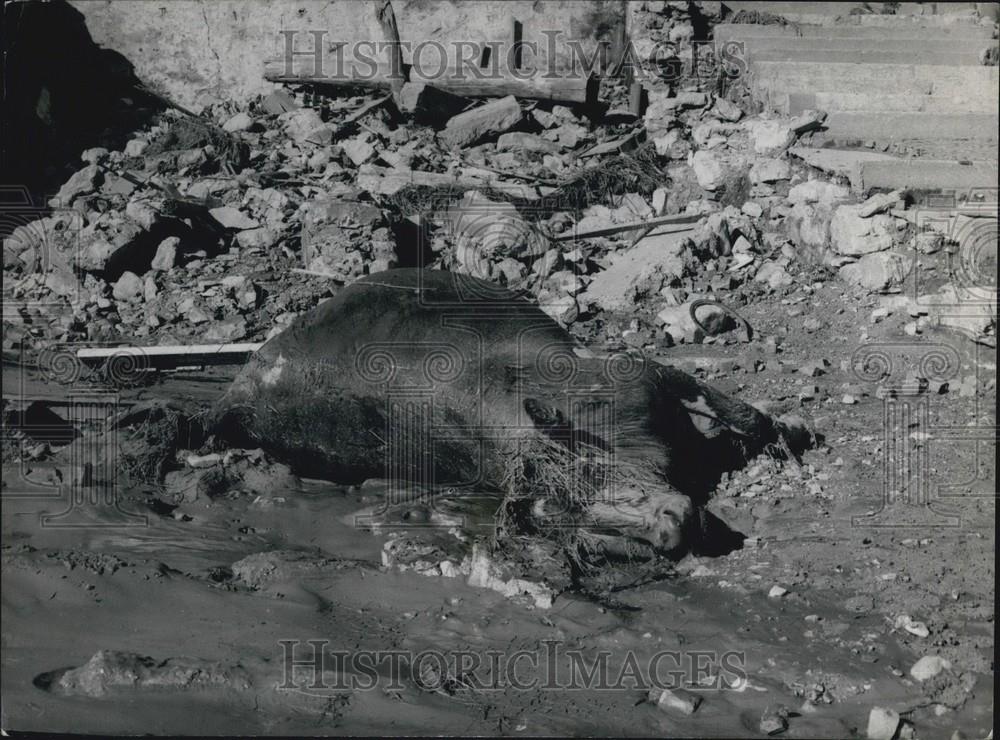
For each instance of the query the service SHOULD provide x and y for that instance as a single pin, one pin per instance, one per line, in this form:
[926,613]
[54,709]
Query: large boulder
[852,234]
[877,271]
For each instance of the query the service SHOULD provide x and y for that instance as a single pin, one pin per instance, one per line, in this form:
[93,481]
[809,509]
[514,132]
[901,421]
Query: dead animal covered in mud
[444,379]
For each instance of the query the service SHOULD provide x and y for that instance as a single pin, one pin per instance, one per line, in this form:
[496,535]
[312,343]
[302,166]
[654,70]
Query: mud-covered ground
[866,588]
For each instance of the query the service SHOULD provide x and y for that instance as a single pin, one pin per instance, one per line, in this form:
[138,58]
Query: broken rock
[675,700]
[527,142]
[928,667]
[233,218]
[852,234]
[708,170]
[166,254]
[727,111]
[128,288]
[877,271]
[239,122]
[495,117]
[878,203]
[770,170]
[882,724]
[359,150]
[643,270]
[83,182]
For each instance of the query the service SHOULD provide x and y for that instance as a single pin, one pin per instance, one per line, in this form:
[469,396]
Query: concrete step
[873,78]
[883,126]
[944,136]
[828,9]
[922,174]
[914,55]
[948,45]
[949,20]
[796,12]
[904,31]
[794,103]
[844,162]
[867,169]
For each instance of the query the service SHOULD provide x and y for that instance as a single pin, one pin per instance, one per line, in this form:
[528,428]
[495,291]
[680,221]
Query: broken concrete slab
[842,162]
[527,142]
[490,119]
[640,271]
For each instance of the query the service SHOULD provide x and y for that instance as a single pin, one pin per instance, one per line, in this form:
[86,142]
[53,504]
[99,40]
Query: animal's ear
[543,415]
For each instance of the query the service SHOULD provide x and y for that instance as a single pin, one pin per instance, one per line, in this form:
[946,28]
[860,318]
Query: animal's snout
[672,525]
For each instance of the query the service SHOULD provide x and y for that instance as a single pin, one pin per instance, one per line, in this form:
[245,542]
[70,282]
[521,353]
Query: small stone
[149,289]
[83,182]
[527,142]
[677,700]
[878,203]
[814,368]
[848,400]
[128,287]
[882,724]
[776,592]
[233,218]
[166,254]
[136,147]
[93,155]
[708,170]
[358,150]
[928,667]
[239,122]
[203,461]
[727,111]
[929,242]
[912,626]
[278,102]
[770,170]
[301,123]
[772,724]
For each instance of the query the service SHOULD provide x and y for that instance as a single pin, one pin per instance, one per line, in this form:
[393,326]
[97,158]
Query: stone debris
[675,700]
[882,724]
[928,667]
[116,672]
[489,119]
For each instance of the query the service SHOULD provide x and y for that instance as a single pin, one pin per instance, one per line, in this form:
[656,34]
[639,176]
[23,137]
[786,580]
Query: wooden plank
[685,219]
[578,89]
[387,181]
[387,20]
[95,354]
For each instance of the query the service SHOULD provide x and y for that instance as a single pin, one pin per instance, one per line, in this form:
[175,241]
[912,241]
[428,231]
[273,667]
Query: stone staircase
[909,102]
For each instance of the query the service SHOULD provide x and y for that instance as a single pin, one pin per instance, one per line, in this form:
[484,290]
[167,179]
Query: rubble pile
[225,226]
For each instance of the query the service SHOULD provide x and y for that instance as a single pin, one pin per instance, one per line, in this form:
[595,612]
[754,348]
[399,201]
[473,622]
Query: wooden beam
[387,20]
[387,181]
[169,356]
[516,36]
[684,219]
[577,89]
